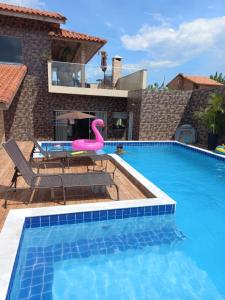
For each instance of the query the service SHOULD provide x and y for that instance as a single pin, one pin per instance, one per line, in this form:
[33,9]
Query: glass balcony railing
[89,76]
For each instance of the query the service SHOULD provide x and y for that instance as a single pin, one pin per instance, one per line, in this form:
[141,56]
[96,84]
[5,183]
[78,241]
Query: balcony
[73,78]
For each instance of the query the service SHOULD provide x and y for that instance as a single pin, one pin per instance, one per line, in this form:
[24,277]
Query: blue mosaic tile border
[172,143]
[101,215]
[202,152]
[152,143]
[141,143]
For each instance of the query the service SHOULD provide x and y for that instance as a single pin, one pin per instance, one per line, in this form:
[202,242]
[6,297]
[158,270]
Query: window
[119,120]
[10,50]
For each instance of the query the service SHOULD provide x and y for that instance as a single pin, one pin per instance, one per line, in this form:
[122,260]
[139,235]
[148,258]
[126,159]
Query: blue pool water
[197,183]
[170,257]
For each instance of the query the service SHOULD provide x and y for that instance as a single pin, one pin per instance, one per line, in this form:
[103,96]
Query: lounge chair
[49,155]
[53,181]
[64,156]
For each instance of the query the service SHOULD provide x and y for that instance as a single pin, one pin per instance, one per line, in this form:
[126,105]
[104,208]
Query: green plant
[213,116]
[158,87]
[219,77]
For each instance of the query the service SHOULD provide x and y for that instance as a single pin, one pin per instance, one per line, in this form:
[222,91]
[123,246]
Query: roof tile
[202,80]
[71,35]
[11,77]
[31,11]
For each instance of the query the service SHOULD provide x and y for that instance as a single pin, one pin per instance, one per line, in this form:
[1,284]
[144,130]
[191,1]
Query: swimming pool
[140,257]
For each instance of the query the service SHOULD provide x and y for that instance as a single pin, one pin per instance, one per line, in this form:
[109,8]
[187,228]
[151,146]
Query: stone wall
[33,106]
[157,114]
[198,100]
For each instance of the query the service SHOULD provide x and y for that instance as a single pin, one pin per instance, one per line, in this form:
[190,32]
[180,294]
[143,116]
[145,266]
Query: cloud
[29,3]
[160,18]
[108,24]
[169,46]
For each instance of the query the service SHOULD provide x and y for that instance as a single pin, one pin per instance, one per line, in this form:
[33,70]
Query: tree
[213,116]
[158,87]
[219,77]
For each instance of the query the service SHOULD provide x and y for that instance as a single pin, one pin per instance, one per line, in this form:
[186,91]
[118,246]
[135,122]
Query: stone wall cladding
[33,106]
[158,114]
[134,105]
[199,99]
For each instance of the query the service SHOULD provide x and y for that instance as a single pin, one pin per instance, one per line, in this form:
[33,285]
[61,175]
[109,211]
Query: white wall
[134,81]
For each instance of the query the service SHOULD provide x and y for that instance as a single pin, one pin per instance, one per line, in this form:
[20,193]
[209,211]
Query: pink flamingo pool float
[88,145]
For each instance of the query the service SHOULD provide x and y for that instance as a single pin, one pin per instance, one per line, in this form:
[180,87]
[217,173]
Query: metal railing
[87,76]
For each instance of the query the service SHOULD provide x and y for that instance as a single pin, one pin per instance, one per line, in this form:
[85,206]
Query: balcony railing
[81,76]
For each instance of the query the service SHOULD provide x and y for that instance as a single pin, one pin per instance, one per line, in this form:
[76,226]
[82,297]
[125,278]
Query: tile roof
[11,77]
[8,8]
[71,35]
[202,80]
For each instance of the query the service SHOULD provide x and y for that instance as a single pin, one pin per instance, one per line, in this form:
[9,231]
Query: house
[186,82]
[45,71]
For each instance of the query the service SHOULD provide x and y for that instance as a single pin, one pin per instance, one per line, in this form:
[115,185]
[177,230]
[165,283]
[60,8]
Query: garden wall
[157,114]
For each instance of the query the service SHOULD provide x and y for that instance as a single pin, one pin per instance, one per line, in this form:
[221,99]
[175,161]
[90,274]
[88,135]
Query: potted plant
[213,117]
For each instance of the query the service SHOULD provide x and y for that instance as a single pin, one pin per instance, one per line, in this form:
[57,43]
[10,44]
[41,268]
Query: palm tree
[218,77]
[213,116]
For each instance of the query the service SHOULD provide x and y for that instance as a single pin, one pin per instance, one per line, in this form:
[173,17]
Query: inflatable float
[88,145]
[220,149]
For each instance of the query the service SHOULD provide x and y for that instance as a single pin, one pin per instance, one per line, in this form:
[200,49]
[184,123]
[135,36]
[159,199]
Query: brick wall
[180,83]
[33,106]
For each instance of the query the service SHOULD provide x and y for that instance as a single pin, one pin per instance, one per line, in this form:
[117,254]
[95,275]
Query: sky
[166,37]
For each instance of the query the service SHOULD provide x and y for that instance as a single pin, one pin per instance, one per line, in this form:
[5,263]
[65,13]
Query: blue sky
[165,36]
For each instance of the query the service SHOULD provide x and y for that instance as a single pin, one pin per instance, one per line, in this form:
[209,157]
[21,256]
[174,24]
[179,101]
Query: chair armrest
[49,163]
[34,179]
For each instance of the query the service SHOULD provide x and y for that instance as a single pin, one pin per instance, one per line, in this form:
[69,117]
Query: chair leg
[52,194]
[31,196]
[117,191]
[5,197]
[64,195]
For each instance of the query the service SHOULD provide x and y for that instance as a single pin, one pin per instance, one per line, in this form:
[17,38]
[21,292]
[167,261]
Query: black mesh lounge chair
[64,156]
[54,181]
[49,154]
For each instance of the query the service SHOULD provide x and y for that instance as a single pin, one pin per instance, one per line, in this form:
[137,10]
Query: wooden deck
[128,189]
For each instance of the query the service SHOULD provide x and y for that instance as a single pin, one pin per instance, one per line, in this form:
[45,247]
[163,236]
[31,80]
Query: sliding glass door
[79,129]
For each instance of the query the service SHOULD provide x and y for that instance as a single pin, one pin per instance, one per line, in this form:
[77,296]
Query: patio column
[82,66]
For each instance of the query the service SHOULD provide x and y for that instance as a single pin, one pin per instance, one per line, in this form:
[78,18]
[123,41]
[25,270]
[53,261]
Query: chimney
[116,69]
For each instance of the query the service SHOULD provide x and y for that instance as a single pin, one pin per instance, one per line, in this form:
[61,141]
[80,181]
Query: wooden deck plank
[128,190]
